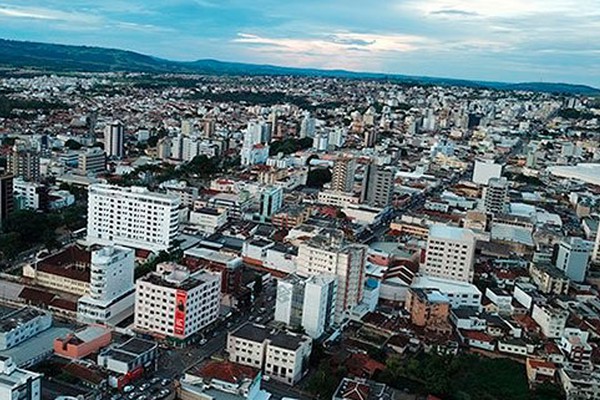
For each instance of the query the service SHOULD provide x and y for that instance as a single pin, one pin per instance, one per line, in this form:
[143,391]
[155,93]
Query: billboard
[180,303]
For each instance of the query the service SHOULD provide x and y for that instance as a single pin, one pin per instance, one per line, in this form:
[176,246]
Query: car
[132,395]
[142,397]
[165,382]
[155,380]
[144,386]
[266,378]
[128,388]
[203,342]
[258,319]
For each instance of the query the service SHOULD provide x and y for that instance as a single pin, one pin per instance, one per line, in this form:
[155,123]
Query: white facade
[16,326]
[208,220]
[112,291]
[484,170]
[114,140]
[495,196]
[450,253]
[328,254]
[27,194]
[18,384]
[460,294]
[596,254]
[132,217]
[337,199]
[552,321]
[172,302]
[573,258]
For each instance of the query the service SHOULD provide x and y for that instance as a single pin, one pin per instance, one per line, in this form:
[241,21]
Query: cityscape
[230,231]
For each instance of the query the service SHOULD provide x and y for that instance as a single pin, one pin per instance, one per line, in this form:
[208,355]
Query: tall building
[450,253]
[209,127]
[112,292]
[271,200]
[495,196]
[378,186]
[6,197]
[328,254]
[132,217]
[596,254]
[163,148]
[485,170]
[28,195]
[92,161]
[307,126]
[307,302]
[370,138]
[114,140]
[176,303]
[342,178]
[16,383]
[573,257]
[24,164]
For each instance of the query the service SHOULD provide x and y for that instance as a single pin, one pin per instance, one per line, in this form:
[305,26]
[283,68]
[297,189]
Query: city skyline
[513,42]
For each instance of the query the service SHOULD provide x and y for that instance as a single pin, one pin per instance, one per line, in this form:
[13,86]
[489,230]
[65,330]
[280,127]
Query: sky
[500,40]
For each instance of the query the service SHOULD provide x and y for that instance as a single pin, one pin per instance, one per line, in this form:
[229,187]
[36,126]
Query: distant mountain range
[64,58]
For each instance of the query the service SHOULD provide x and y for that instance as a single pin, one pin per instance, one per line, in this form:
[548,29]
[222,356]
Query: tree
[318,177]
[258,286]
[72,144]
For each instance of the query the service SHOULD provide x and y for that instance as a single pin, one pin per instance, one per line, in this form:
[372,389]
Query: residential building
[25,164]
[132,217]
[495,196]
[92,161]
[342,178]
[573,257]
[281,355]
[427,307]
[552,321]
[337,199]
[378,186]
[362,389]
[578,384]
[450,253]
[548,278]
[328,253]
[459,294]
[111,296]
[114,140]
[596,254]
[28,195]
[175,303]
[6,197]
[271,200]
[18,384]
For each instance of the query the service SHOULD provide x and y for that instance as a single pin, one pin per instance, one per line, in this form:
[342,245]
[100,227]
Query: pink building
[82,343]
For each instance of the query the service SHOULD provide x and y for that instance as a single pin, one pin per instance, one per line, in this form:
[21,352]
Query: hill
[65,58]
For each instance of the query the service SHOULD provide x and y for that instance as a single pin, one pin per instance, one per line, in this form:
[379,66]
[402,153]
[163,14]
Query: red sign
[180,301]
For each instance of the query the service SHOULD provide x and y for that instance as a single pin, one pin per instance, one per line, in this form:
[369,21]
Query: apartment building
[552,321]
[18,384]
[450,253]
[207,219]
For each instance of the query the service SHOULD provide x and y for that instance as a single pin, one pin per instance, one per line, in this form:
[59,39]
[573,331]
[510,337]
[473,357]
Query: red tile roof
[226,371]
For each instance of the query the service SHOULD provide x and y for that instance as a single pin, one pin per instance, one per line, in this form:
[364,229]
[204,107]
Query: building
[552,321]
[378,186]
[207,219]
[573,257]
[132,217]
[327,253]
[91,161]
[459,294]
[280,355]
[427,307]
[291,216]
[24,164]
[28,195]
[495,196]
[596,254]
[18,325]
[271,200]
[173,302]
[450,253]
[18,384]
[111,296]
[114,140]
[362,389]
[337,199]
[342,178]
[129,358]
[485,170]
[6,197]
[307,302]
[578,384]
[82,343]
[549,279]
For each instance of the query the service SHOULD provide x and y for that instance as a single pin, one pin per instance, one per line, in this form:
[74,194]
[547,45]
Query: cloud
[455,13]
[38,13]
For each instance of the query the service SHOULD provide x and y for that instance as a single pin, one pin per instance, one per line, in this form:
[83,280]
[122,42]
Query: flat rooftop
[447,232]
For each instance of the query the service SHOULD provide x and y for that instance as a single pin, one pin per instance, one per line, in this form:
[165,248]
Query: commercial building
[25,164]
[573,257]
[280,355]
[114,140]
[342,178]
[485,170]
[111,295]
[18,325]
[6,197]
[91,161]
[495,196]
[207,219]
[337,199]
[271,200]
[172,302]
[82,343]
[307,302]
[378,186]
[18,384]
[328,254]
[129,358]
[132,217]
[459,294]
[450,253]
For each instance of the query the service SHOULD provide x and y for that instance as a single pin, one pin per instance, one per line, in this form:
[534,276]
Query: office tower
[92,161]
[495,196]
[6,197]
[24,164]
[112,292]
[484,170]
[307,302]
[378,186]
[132,217]
[342,179]
[573,256]
[328,253]
[176,303]
[450,253]
[271,200]
[114,140]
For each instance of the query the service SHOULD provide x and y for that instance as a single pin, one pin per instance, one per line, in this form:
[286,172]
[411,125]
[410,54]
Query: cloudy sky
[505,40]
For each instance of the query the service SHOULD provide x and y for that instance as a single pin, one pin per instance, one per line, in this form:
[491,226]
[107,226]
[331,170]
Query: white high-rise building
[307,126]
[342,178]
[132,217]
[307,302]
[450,253]
[485,170]
[328,254]
[114,140]
[573,258]
[176,303]
[112,292]
[596,254]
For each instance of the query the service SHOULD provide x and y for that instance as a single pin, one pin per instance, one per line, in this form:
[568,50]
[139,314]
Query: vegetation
[25,229]
[8,106]
[72,144]
[164,256]
[571,113]
[253,98]
[325,380]
[317,177]
[289,146]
